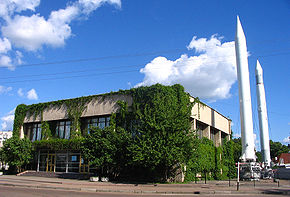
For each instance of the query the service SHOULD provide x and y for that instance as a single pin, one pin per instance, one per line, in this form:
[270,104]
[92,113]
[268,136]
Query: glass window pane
[30,132]
[108,121]
[102,125]
[38,133]
[61,123]
[57,130]
[34,134]
[102,119]
[67,131]
[74,158]
[61,132]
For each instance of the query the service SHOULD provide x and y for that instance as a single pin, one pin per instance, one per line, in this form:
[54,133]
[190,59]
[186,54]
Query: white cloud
[8,7]
[5,61]
[5,55]
[64,15]
[32,95]
[18,58]
[4,89]
[5,45]
[20,92]
[7,121]
[32,32]
[286,140]
[208,75]
[90,5]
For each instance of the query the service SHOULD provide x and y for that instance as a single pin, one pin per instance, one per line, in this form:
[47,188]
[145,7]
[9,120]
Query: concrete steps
[63,175]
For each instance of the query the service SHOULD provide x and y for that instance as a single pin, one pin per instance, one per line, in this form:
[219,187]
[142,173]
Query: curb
[275,192]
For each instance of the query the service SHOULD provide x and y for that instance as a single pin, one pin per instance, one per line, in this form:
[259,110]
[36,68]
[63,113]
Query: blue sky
[51,50]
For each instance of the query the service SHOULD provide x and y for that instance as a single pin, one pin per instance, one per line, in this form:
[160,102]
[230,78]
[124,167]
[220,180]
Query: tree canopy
[17,152]
[106,149]
[153,134]
[276,148]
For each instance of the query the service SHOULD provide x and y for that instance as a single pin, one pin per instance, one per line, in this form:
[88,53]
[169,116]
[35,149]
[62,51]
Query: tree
[219,164]
[106,149]
[17,152]
[259,156]
[229,159]
[206,156]
[276,148]
[192,165]
[2,160]
[162,122]
[237,148]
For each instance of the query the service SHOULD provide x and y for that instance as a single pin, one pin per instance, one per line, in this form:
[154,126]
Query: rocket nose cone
[239,30]
[238,20]
[259,69]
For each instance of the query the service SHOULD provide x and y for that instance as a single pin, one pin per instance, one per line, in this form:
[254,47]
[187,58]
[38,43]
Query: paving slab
[212,187]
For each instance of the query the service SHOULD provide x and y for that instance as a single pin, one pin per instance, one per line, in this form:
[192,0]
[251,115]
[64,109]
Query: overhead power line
[100,58]
[125,56]
[76,76]
[67,72]
[106,73]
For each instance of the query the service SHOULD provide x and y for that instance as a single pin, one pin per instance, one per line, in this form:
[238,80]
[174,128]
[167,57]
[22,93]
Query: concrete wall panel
[209,116]
[99,106]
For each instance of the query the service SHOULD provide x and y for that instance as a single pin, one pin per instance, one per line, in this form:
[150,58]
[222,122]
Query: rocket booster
[248,147]
[262,112]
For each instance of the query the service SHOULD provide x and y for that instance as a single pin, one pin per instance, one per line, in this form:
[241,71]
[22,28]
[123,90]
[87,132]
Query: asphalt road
[8,191]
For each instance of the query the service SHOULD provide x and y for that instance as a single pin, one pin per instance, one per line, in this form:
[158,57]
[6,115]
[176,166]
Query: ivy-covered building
[72,118]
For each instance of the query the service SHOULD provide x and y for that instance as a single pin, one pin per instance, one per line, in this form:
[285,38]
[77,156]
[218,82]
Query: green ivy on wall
[56,144]
[75,108]
[20,113]
[45,131]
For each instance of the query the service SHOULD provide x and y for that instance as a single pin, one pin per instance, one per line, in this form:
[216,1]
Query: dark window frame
[96,121]
[30,128]
[66,134]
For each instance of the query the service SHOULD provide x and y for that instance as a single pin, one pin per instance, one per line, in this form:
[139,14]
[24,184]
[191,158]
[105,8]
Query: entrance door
[50,164]
[83,168]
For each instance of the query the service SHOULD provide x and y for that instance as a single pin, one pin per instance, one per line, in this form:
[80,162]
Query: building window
[100,122]
[200,127]
[36,131]
[199,133]
[63,129]
[74,158]
[223,136]
[212,133]
[134,128]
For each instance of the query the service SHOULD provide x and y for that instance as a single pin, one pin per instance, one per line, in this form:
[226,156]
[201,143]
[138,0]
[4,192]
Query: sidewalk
[212,187]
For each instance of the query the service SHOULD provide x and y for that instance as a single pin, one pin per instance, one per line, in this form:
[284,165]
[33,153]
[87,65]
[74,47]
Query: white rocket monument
[263,119]
[248,147]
